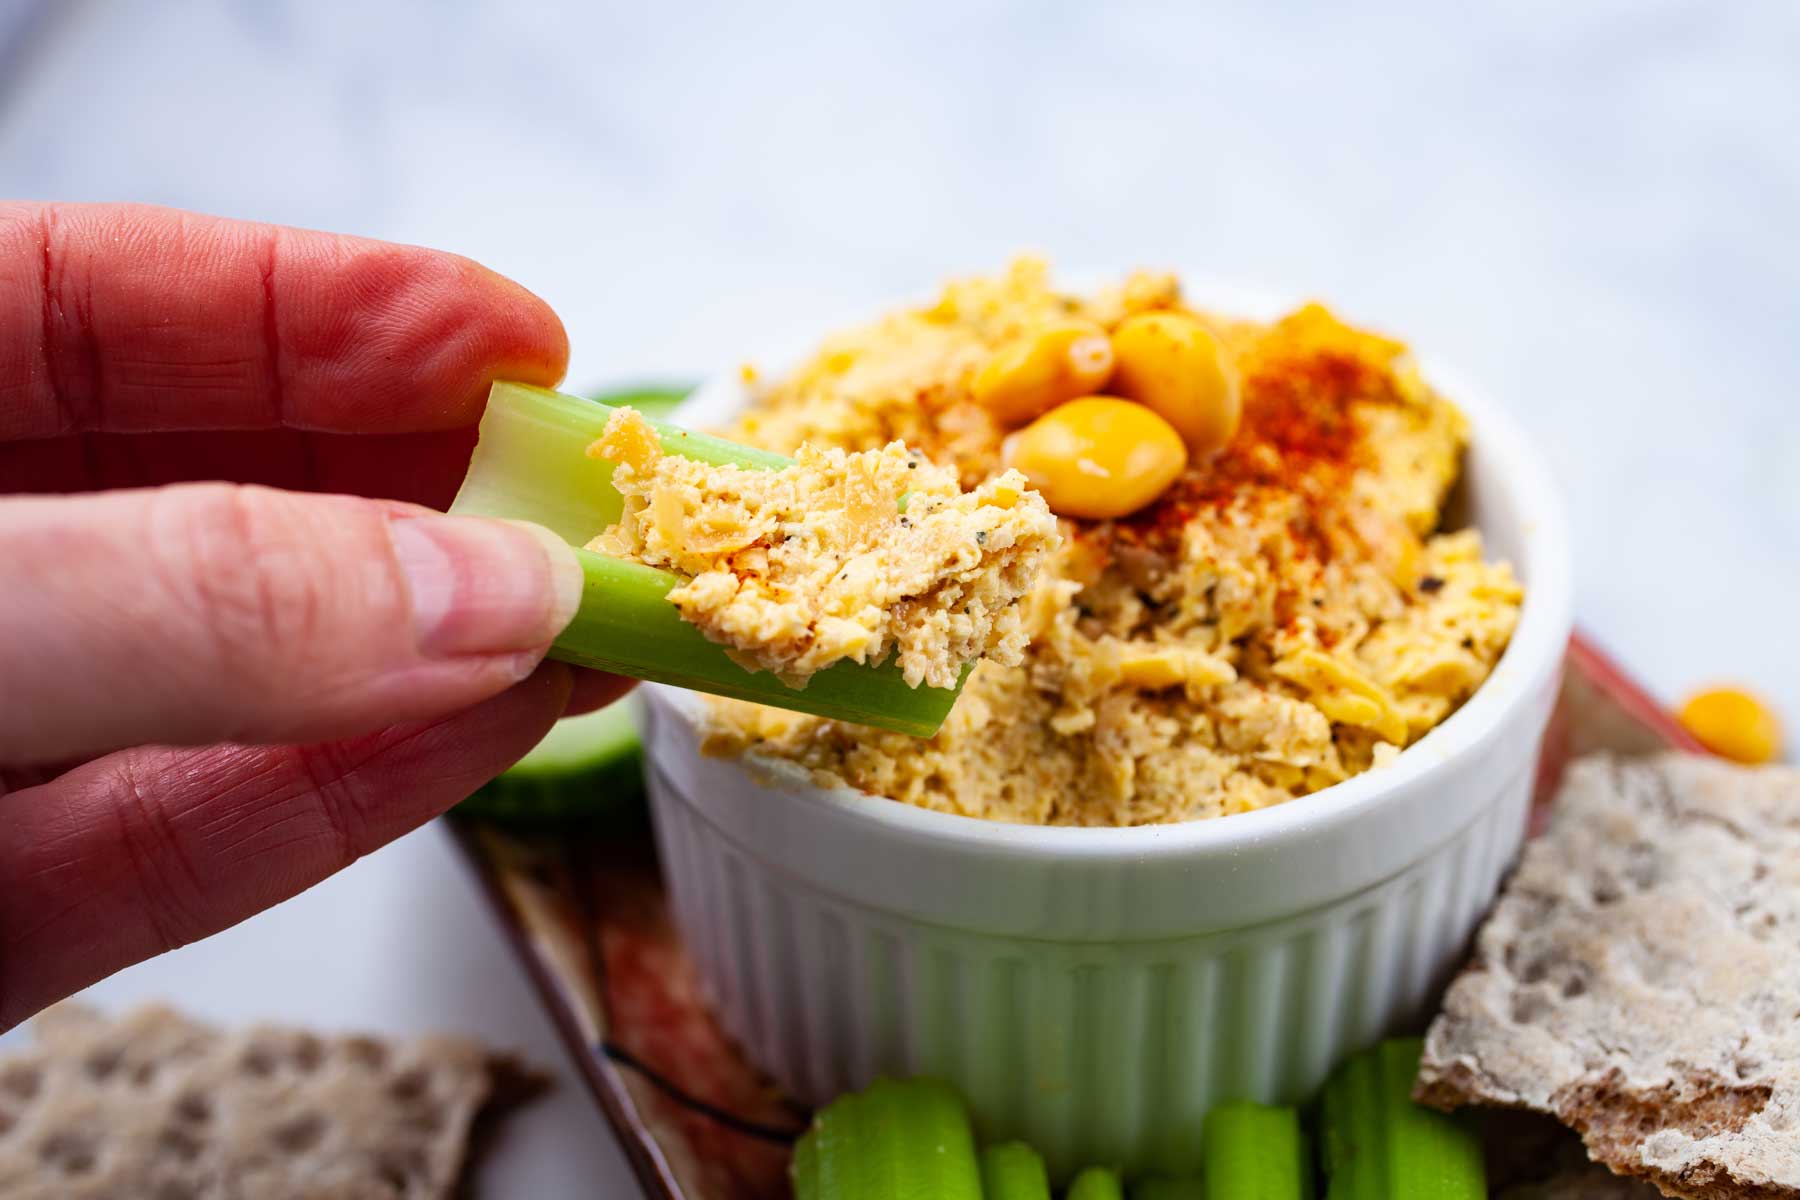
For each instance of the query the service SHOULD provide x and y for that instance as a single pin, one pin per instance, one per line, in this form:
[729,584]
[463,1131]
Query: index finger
[130,318]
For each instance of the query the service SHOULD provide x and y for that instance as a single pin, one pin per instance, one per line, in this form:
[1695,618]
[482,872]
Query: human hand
[214,695]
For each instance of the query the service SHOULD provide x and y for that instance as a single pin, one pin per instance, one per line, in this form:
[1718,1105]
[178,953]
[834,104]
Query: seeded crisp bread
[1640,978]
[1530,1156]
[155,1106]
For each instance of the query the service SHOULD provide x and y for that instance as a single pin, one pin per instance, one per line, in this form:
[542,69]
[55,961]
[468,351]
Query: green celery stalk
[1096,1183]
[1379,1145]
[531,464]
[1013,1171]
[531,461]
[896,1140]
[1182,1187]
[1255,1152]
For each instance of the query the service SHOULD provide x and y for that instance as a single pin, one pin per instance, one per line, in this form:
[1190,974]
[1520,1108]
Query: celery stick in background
[896,1140]
[1184,1187]
[1379,1145]
[1013,1171]
[1096,1183]
[1255,1152]
[531,464]
[658,402]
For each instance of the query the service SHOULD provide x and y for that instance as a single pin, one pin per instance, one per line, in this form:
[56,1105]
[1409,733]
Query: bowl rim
[1533,656]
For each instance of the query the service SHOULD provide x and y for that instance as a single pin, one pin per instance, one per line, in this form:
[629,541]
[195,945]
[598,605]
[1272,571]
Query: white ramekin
[1096,990]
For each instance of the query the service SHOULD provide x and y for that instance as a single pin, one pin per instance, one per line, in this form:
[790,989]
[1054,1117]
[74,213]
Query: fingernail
[479,586]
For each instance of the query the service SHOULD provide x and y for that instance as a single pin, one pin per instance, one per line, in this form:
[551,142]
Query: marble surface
[1590,208]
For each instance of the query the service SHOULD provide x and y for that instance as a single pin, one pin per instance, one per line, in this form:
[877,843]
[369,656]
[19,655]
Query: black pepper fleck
[1431,583]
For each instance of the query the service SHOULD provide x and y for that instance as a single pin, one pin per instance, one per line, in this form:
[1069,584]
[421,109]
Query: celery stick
[531,464]
[1013,1171]
[1183,1187]
[587,765]
[1379,1145]
[1096,1183]
[1255,1152]
[894,1141]
[626,625]
[531,461]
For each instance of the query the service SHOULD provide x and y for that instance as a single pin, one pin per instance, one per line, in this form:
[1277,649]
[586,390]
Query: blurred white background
[1593,209]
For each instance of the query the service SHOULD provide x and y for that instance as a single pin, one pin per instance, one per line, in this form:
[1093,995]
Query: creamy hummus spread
[845,555]
[1287,614]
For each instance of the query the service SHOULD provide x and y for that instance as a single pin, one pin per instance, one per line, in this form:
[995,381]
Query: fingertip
[534,337]
[594,690]
[479,586]
[389,336]
[558,681]
[568,580]
[265,616]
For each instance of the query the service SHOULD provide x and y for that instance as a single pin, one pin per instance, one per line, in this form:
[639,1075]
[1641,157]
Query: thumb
[215,612]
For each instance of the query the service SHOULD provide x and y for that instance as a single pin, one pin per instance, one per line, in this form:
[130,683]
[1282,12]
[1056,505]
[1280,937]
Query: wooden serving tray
[589,921]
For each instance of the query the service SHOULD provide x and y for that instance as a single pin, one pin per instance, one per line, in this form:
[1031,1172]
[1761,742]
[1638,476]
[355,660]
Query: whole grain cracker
[158,1106]
[1640,978]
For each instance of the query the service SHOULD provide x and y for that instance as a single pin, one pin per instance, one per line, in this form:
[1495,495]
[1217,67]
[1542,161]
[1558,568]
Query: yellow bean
[1098,457]
[1733,723]
[1034,373]
[1172,363]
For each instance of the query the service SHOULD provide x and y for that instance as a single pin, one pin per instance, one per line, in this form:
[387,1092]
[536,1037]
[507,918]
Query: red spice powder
[1298,437]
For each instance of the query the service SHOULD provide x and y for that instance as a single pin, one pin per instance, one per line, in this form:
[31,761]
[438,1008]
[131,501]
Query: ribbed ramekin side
[1094,1051]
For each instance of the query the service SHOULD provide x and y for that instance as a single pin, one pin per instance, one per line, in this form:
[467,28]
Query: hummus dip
[841,556]
[1285,615]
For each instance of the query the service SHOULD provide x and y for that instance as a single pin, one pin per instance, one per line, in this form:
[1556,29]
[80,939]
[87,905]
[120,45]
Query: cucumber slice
[1379,1145]
[1096,1183]
[586,766]
[894,1141]
[1255,1152]
[1185,1187]
[1013,1171]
